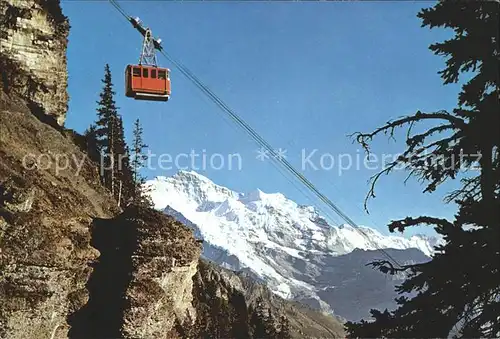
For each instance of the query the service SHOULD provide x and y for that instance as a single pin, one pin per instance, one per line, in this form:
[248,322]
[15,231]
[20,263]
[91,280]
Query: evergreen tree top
[458,291]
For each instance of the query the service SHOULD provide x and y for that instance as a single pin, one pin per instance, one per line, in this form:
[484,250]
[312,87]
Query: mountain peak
[186,189]
[191,175]
[255,195]
[267,218]
[258,195]
[276,239]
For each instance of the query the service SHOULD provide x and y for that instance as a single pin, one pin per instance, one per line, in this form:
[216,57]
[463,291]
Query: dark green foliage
[214,314]
[54,12]
[107,115]
[258,321]
[92,144]
[124,185]
[240,324]
[138,158]
[458,291]
[107,112]
[109,136]
[230,316]
[283,328]
[263,322]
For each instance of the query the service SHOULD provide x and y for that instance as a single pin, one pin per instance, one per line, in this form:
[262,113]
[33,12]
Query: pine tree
[240,327]
[202,322]
[270,325]
[92,144]
[107,114]
[178,330]
[258,320]
[138,159]
[224,318]
[109,134]
[189,327]
[122,169]
[283,328]
[458,291]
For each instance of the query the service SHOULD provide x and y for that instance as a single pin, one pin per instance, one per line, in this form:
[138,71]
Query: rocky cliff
[214,286]
[72,263]
[46,209]
[143,279]
[33,39]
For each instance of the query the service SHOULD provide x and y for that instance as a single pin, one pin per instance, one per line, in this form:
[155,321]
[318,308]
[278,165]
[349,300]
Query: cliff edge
[33,40]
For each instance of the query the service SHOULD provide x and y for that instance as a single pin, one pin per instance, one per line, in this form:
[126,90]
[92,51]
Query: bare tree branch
[401,224]
[390,126]
[386,266]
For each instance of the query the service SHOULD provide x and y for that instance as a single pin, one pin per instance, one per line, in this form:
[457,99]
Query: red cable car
[147,81]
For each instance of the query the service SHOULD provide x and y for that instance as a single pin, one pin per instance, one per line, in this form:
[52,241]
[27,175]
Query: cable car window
[136,72]
[162,75]
[153,73]
[145,73]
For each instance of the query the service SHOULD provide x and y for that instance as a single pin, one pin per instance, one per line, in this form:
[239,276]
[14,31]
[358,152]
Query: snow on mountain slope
[232,220]
[282,242]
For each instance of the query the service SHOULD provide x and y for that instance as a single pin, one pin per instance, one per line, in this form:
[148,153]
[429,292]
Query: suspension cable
[259,140]
[119,9]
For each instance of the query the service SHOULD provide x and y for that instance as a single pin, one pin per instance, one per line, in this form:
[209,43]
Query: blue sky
[304,75]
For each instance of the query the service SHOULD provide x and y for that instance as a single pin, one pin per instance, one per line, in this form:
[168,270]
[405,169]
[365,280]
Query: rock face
[33,39]
[164,261]
[45,214]
[70,261]
[143,278]
[214,285]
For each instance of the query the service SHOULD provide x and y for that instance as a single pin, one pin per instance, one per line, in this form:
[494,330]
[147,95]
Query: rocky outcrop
[214,286]
[153,317]
[49,196]
[33,39]
[71,264]
[142,282]
[164,261]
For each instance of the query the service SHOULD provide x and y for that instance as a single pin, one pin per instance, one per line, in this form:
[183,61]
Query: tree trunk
[120,193]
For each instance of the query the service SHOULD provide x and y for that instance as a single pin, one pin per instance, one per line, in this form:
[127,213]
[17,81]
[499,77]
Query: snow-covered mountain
[288,246]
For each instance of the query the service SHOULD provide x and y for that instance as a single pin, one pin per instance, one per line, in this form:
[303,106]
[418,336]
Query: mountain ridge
[207,195]
[289,246]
